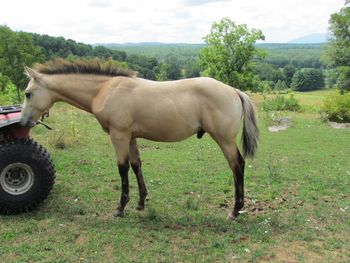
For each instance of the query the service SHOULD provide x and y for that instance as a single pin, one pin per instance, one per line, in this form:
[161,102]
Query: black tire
[27,175]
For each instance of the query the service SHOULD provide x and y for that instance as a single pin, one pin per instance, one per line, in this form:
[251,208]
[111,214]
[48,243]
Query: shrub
[262,86]
[331,77]
[281,103]
[344,78]
[281,86]
[307,79]
[336,107]
[8,92]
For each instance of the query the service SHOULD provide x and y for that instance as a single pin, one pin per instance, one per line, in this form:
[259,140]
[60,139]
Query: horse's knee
[123,168]
[136,165]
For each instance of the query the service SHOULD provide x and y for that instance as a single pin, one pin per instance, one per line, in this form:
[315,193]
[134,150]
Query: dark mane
[96,66]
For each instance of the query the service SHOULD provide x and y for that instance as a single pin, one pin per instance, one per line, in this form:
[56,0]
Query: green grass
[311,101]
[297,199]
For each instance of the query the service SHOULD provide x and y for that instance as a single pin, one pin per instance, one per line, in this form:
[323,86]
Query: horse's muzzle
[29,123]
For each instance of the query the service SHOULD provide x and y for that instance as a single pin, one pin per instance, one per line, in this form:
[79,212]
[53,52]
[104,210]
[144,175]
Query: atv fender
[11,123]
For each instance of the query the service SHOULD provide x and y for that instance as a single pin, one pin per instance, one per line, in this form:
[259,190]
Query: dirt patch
[287,199]
[143,147]
[81,240]
[337,125]
[281,124]
[277,128]
[108,251]
[83,162]
[291,252]
[105,217]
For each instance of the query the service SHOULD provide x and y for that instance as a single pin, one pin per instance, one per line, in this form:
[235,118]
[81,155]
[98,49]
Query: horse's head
[37,98]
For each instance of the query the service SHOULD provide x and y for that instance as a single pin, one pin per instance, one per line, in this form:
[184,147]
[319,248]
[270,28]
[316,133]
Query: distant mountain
[311,39]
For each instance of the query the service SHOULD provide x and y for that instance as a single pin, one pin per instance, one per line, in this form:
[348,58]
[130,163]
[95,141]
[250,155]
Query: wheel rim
[17,178]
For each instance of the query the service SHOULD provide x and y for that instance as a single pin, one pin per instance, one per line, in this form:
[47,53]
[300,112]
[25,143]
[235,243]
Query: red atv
[27,173]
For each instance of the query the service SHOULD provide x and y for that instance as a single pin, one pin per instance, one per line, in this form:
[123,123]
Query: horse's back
[203,88]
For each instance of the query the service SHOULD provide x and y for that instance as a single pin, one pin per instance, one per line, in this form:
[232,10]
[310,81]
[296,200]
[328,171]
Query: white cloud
[100,3]
[201,2]
[97,21]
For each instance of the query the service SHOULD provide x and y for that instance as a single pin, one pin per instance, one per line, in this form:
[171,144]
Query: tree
[280,85]
[339,48]
[17,49]
[331,78]
[145,66]
[192,69]
[229,54]
[169,69]
[289,71]
[307,79]
[343,82]
[8,91]
[338,51]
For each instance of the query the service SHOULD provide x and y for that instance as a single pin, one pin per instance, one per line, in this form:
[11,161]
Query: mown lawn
[297,199]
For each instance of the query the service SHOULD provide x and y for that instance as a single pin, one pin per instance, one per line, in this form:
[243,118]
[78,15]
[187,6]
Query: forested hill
[299,55]
[278,54]
[156,61]
[60,47]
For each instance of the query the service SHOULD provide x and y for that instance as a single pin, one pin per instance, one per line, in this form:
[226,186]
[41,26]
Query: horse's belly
[165,132]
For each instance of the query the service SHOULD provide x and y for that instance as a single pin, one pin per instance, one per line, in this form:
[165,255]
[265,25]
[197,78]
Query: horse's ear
[32,73]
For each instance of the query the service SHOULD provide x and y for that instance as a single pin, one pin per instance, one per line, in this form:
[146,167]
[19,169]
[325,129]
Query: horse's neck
[78,90]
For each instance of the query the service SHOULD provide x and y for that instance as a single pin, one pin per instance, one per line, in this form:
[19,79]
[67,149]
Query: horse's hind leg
[135,163]
[236,163]
[239,185]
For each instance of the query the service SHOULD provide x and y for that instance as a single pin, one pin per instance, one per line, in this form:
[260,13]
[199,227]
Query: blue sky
[177,21]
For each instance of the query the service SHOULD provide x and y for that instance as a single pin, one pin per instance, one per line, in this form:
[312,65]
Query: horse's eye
[28,95]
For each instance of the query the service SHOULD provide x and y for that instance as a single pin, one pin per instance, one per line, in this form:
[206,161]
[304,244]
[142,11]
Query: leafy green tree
[107,53]
[192,69]
[331,78]
[8,95]
[268,72]
[343,82]
[4,81]
[308,79]
[265,86]
[281,85]
[339,49]
[17,49]
[145,66]
[230,52]
[169,69]
[103,52]
[289,71]
[54,47]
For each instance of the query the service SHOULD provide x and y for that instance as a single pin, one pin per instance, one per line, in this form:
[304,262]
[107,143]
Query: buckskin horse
[128,107]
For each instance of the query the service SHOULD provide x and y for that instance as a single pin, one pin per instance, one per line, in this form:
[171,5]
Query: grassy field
[297,199]
[311,102]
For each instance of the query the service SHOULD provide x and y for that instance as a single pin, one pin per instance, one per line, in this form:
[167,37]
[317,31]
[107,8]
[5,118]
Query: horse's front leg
[135,162]
[121,143]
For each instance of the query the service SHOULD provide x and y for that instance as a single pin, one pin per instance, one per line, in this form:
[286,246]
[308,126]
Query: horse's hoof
[118,213]
[232,216]
[140,207]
